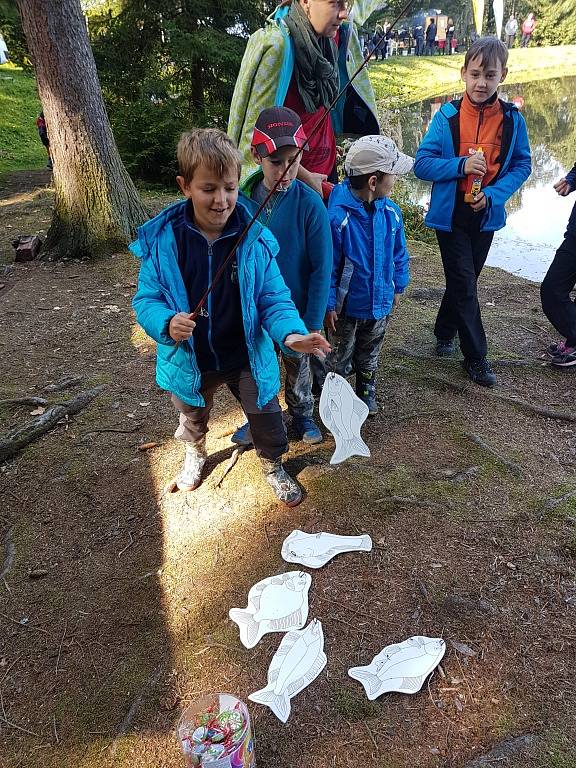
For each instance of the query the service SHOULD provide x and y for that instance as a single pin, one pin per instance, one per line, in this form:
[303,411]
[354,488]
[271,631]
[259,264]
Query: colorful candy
[212,734]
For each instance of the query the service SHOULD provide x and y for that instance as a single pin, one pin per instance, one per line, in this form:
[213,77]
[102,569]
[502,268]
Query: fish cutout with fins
[343,413]
[298,661]
[315,549]
[402,667]
[276,604]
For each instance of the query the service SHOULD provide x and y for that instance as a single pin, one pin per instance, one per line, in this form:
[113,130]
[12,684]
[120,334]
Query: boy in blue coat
[230,341]
[298,219]
[465,219]
[370,269]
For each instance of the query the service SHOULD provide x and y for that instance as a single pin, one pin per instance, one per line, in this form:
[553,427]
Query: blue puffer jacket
[267,308]
[437,161]
[370,255]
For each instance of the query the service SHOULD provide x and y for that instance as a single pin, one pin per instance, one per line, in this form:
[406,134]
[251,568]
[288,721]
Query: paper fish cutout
[276,604]
[298,661]
[403,667]
[343,413]
[315,549]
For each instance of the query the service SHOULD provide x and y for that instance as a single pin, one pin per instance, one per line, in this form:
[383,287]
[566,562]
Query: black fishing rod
[199,309]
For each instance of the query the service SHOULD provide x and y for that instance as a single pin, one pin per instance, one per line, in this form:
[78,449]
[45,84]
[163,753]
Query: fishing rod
[199,309]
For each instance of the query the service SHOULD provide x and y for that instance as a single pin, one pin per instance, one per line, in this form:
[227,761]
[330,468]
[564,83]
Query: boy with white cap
[370,268]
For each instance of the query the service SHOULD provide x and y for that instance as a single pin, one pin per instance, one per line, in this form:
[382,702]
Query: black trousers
[555,290]
[463,251]
[266,424]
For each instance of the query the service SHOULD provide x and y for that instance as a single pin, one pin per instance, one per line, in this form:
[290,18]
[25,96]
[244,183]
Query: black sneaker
[444,347]
[480,372]
[565,357]
[286,488]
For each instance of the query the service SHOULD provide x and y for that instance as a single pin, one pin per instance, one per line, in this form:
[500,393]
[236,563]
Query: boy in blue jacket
[370,269]
[230,340]
[464,219]
[298,219]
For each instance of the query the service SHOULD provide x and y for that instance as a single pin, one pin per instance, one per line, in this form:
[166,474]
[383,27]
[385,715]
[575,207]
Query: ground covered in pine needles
[115,593]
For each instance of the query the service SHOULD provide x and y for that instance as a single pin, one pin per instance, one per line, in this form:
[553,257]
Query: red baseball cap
[277,127]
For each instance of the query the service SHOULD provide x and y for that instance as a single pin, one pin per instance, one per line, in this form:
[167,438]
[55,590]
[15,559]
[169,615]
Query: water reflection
[537,216]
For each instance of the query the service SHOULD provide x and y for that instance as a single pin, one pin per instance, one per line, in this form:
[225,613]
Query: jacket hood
[148,233]
[343,196]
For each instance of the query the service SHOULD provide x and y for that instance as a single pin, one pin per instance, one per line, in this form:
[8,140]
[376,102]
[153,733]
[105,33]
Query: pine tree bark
[97,207]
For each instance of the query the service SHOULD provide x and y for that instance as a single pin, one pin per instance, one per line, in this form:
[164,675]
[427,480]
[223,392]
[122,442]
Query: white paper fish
[403,667]
[276,604]
[298,661]
[315,549]
[343,413]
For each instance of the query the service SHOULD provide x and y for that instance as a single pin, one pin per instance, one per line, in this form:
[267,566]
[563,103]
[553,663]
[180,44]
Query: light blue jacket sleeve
[518,171]
[429,163]
[319,249]
[337,257]
[401,260]
[153,305]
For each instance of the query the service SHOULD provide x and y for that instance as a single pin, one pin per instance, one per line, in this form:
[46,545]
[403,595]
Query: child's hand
[475,165]
[479,202]
[562,187]
[311,344]
[181,326]
[330,320]
[396,301]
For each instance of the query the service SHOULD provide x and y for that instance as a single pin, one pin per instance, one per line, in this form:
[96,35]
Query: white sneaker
[190,475]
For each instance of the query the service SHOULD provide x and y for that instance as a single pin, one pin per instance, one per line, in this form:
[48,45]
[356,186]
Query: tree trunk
[97,207]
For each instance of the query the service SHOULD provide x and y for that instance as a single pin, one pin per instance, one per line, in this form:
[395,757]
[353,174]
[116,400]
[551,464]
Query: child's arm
[401,262]
[517,173]
[153,312]
[567,184]
[429,163]
[319,249]
[337,259]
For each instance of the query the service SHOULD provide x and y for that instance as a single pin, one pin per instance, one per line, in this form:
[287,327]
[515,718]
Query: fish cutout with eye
[276,604]
[402,667]
[315,549]
[343,413]
[298,661]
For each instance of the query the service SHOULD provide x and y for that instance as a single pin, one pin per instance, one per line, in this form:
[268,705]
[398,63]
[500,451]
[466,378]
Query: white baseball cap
[376,153]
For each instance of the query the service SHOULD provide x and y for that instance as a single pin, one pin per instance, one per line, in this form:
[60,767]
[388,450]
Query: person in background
[510,30]
[559,281]
[449,156]
[43,134]
[528,27]
[419,39]
[4,57]
[430,38]
[449,37]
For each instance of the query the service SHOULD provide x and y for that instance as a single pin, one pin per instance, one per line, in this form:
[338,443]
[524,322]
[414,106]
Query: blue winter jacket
[268,312]
[370,255]
[437,161]
[299,221]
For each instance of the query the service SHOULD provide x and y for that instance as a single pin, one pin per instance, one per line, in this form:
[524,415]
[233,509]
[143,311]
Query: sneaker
[444,347]
[480,372]
[190,475]
[242,436]
[564,358]
[556,348]
[286,489]
[307,430]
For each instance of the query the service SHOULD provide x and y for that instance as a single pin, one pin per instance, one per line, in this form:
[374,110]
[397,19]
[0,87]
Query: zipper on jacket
[210,308]
[480,121]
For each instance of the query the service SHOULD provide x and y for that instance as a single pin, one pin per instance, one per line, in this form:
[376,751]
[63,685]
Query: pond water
[537,216]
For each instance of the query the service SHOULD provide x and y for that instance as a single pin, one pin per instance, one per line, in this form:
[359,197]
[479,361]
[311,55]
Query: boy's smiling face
[213,197]
[482,80]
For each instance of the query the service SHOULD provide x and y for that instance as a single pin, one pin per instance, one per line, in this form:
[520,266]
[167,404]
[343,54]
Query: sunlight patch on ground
[24,197]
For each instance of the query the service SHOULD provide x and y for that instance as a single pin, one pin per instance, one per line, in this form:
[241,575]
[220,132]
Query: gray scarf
[316,65]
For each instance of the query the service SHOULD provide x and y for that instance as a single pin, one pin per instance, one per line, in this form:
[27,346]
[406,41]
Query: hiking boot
[366,390]
[286,489]
[444,347]
[190,475]
[242,436]
[564,358]
[480,372]
[307,430]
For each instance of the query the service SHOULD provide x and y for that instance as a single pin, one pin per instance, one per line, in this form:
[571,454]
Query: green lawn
[405,80]
[20,147]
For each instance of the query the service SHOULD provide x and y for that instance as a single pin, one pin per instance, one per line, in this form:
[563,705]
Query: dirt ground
[114,596]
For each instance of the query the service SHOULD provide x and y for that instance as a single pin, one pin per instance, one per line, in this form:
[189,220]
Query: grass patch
[20,147]
[406,80]
[559,752]
[354,706]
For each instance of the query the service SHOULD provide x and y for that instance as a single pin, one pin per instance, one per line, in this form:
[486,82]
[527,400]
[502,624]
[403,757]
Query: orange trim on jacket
[481,126]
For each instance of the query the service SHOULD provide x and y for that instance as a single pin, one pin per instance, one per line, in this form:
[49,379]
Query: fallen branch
[24,401]
[463,388]
[233,459]
[19,438]
[126,724]
[516,469]
[553,503]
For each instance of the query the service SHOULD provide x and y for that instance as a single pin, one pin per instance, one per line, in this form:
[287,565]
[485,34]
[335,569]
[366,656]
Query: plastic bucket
[215,732]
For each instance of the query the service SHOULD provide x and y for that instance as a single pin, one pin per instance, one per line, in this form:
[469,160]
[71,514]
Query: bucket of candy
[215,732]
